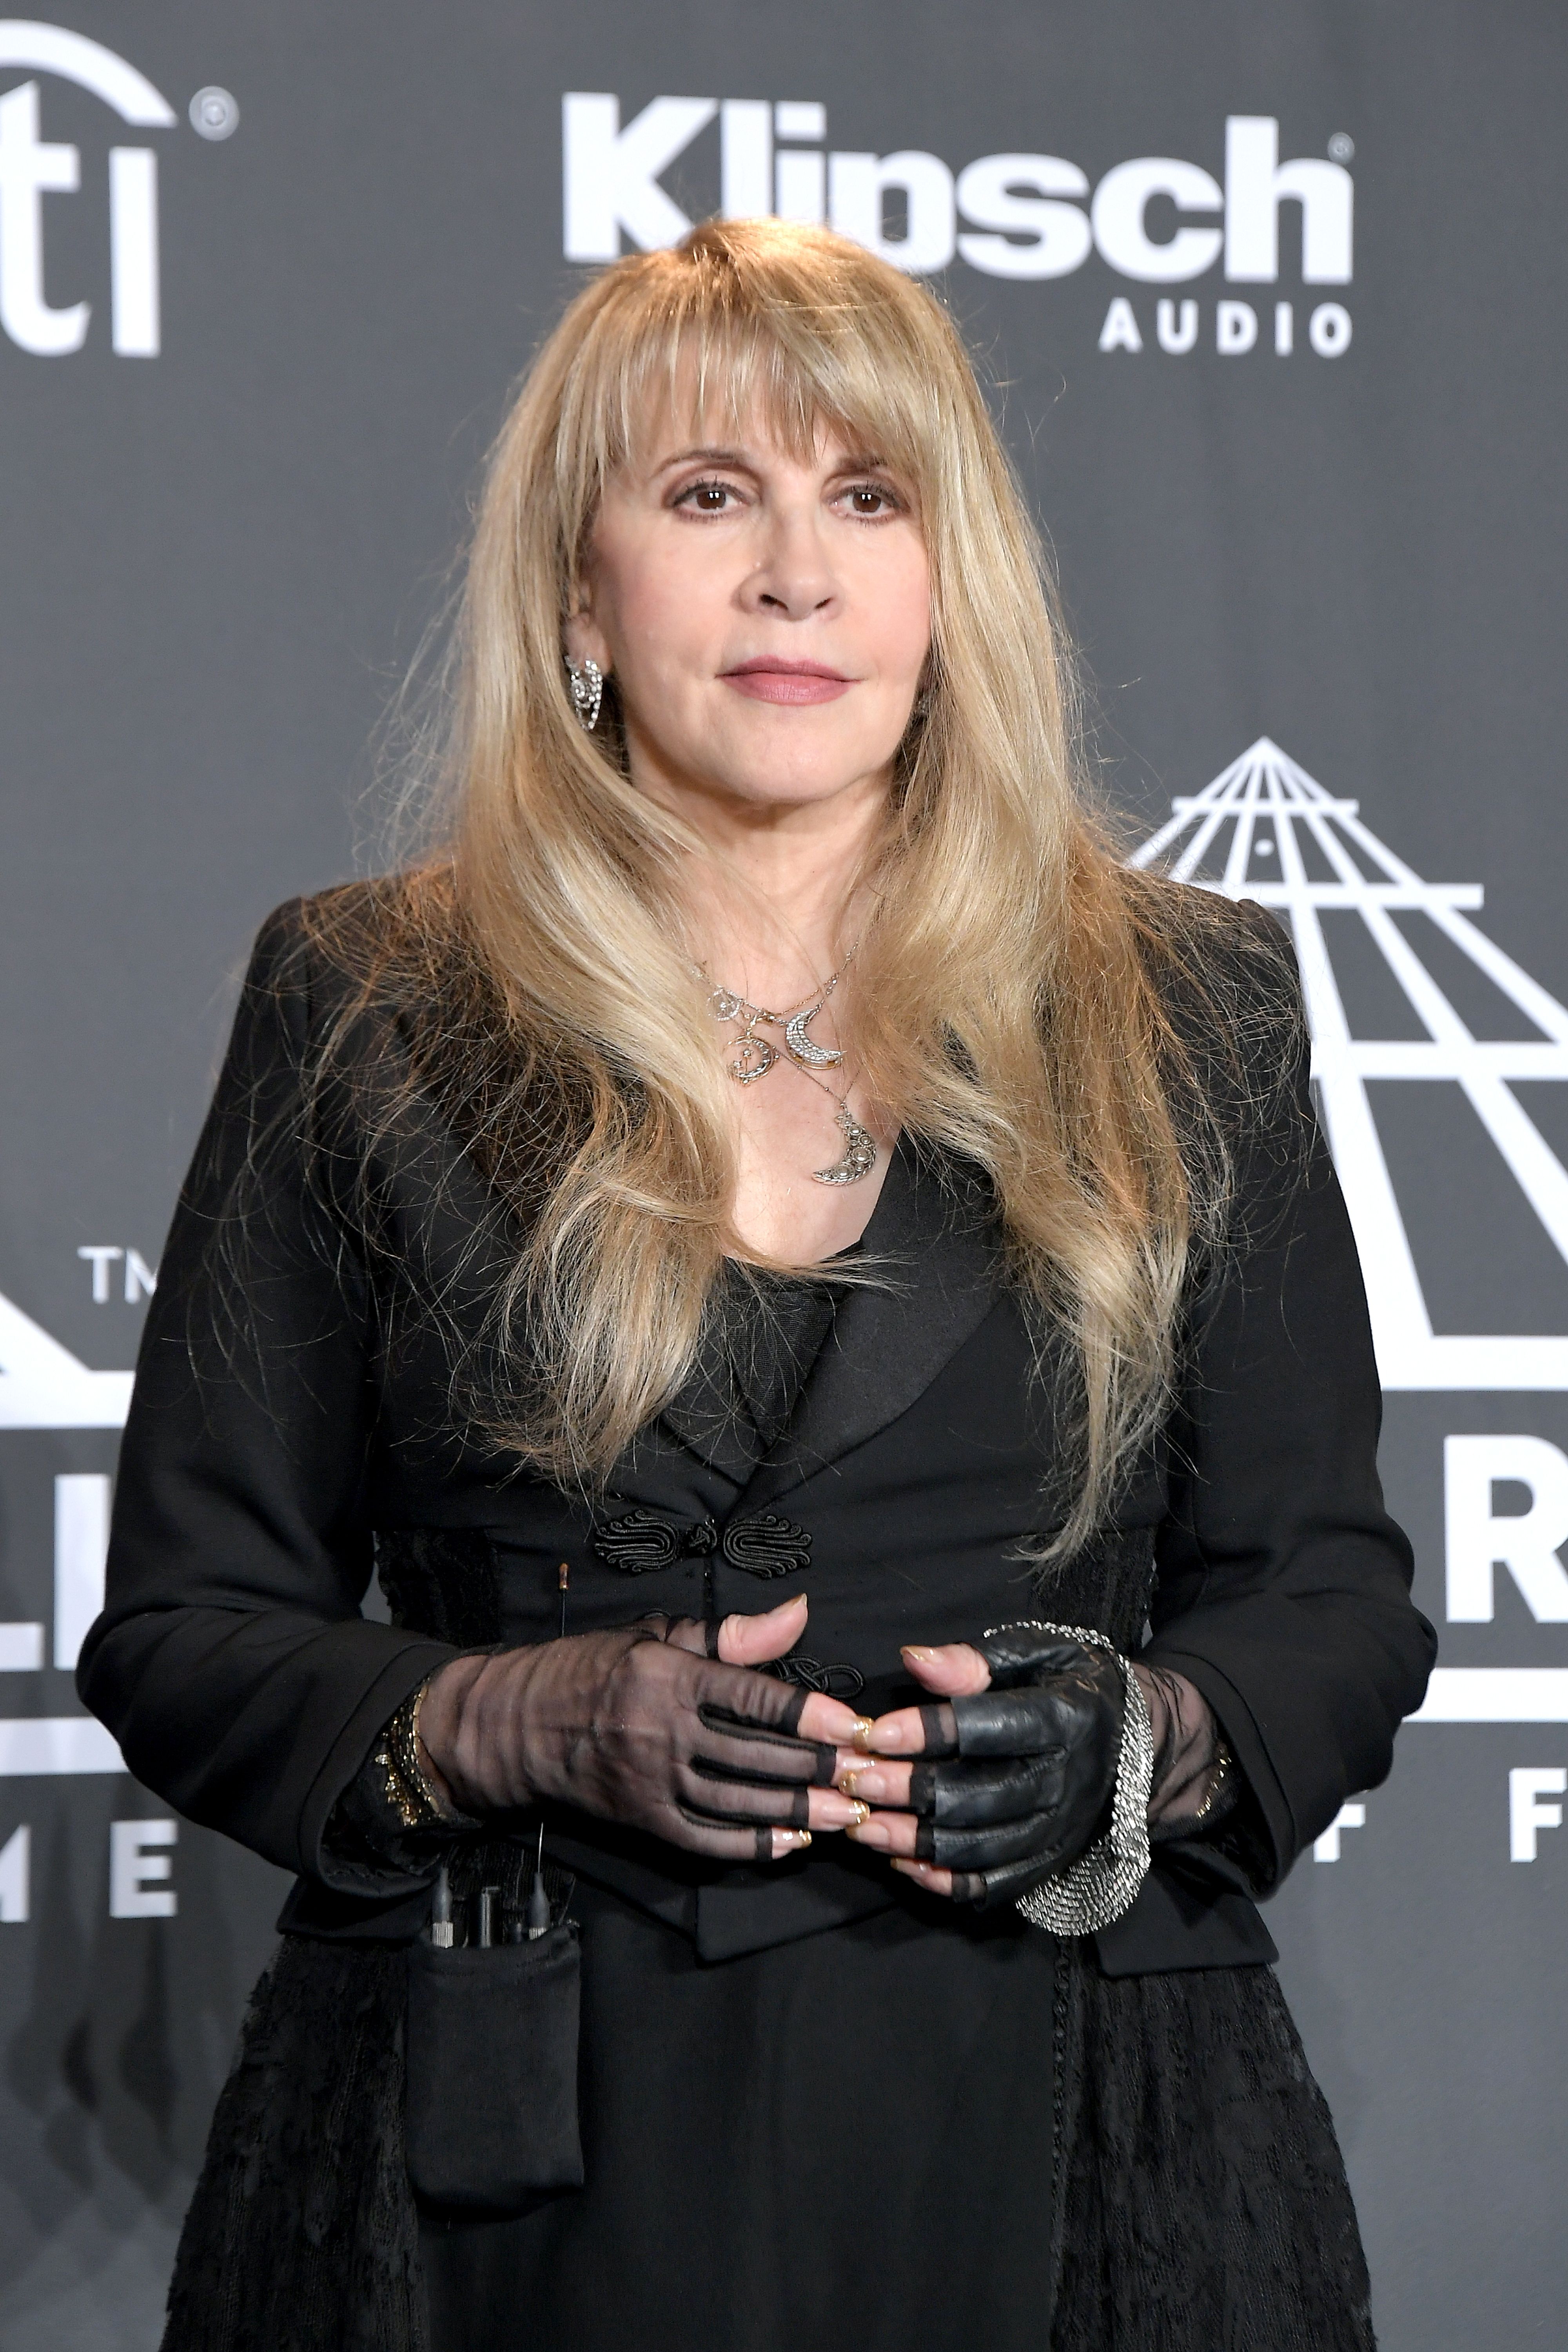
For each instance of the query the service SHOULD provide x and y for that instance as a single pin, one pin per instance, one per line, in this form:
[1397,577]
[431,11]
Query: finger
[748,1801]
[888,1833]
[928,1730]
[829,1718]
[965,1794]
[927,1874]
[750,1640]
[875,1784]
[744,1697]
[723,1841]
[698,1636]
[746,1641]
[1030,1840]
[1028,1722]
[1023,1654]
[726,1750]
[826,1809]
[955,1669]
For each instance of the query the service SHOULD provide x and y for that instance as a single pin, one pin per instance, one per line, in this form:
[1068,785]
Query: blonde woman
[793,1269]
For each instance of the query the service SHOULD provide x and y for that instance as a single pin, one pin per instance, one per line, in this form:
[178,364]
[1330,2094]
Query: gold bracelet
[408,1786]
[1223,1763]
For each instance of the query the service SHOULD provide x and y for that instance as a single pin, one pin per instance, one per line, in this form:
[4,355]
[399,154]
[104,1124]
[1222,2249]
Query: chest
[797,1145]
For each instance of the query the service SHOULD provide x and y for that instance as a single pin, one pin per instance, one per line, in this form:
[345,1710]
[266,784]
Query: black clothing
[839,2077]
[292,1421]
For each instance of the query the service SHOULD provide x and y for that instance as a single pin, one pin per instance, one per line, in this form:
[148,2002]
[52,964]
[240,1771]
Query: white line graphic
[1495,1695]
[37,1745]
[1277,817]
[44,1386]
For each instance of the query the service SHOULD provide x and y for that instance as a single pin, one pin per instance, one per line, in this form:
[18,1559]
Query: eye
[709,498]
[870,501]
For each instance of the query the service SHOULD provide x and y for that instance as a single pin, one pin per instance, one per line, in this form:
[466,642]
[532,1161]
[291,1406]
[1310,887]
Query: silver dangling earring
[587,691]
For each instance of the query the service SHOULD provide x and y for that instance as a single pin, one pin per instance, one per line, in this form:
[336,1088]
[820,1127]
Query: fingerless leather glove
[1035,1765]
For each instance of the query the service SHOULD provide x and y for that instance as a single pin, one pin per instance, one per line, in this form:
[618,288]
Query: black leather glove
[641,1726]
[1035,1768]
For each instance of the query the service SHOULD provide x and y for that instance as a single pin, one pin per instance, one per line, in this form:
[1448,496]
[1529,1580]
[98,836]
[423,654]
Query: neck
[771,901]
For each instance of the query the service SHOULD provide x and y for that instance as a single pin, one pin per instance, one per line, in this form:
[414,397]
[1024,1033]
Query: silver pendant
[803,1049]
[753,1061]
[859,1152]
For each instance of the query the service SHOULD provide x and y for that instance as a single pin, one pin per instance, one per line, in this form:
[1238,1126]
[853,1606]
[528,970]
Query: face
[766,620]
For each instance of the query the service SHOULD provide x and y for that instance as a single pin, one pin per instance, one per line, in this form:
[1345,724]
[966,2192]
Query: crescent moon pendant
[803,1049]
[753,1061]
[859,1154]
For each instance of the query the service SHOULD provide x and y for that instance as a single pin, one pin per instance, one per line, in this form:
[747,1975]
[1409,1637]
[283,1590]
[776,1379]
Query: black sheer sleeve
[231,1661]
[1283,1586]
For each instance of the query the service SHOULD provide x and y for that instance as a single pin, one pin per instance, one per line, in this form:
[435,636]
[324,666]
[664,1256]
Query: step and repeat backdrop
[1269,294]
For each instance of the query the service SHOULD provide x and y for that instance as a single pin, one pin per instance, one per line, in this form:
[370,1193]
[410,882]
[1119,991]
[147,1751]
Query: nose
[792,578]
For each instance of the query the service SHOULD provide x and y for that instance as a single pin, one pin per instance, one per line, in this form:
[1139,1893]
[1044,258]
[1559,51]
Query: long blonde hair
[1007,1003]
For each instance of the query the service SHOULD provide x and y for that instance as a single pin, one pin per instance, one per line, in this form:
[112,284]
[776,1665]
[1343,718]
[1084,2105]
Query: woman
[771,1148]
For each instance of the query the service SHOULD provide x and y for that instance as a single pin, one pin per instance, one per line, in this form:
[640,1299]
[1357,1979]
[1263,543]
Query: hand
[651,1726]
[1046,1717]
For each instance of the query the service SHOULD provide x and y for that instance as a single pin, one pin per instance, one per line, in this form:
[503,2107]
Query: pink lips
[769,680]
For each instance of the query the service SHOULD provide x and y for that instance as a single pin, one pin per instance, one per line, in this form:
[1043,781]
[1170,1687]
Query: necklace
[753,1057]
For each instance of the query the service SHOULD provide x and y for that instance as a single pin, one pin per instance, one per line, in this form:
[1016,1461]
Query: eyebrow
[709,456]
[857,462]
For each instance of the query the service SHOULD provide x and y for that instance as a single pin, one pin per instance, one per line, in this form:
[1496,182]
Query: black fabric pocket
[490,2112]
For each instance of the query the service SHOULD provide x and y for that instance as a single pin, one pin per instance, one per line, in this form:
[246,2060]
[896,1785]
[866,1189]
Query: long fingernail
[919,1870]
[868,1778]
[789,1842]
[834,1813]
[916,1649]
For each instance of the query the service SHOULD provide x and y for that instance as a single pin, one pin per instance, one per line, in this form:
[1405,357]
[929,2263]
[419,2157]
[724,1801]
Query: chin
[791,791]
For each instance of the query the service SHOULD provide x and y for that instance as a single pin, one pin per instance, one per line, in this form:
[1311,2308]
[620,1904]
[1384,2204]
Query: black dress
[815,2102]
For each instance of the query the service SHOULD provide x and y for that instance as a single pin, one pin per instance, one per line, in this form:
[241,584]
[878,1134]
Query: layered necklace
[751,1057]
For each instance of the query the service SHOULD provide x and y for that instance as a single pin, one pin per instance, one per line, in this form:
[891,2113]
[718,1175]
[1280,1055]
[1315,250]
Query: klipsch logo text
[1154,219]
[34,166]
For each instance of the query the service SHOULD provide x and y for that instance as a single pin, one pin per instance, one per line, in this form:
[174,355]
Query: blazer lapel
[938,1242]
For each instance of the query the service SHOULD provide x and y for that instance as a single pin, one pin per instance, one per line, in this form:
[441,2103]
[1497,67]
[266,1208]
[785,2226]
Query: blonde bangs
[788,324]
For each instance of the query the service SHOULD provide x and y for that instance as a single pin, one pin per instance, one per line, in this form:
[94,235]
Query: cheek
[897,604]
[663,608]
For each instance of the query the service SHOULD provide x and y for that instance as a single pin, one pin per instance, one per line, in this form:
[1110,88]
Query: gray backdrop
[229,494]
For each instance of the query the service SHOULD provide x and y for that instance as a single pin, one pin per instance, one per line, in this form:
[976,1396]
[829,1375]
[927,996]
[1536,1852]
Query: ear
[582,638]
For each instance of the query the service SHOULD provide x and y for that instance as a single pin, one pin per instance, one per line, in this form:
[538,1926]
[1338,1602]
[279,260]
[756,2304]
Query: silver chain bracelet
[1103,1882]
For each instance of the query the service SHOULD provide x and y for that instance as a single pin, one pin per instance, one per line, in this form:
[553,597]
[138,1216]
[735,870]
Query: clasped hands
[1003,1776]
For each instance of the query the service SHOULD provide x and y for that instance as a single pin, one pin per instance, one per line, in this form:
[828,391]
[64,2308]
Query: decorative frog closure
[640,1544]
[766,1545]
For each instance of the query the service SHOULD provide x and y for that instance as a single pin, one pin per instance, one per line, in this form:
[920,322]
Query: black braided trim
[640,1543]
[767,1546]
[839,1682]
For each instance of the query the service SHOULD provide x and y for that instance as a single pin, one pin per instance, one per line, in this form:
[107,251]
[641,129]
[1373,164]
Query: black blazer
[293,1411]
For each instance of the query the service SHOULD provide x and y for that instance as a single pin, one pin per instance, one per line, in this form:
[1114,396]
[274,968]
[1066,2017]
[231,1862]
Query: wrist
[448,1734]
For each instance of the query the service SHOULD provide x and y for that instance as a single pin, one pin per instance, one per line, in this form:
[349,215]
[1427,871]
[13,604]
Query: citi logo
[1014,215]
[32,167]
